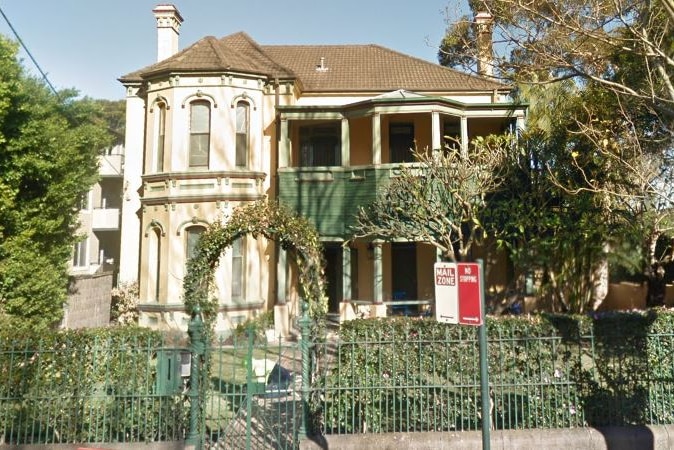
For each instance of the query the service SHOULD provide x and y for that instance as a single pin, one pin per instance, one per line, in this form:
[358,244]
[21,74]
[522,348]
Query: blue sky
[88,44]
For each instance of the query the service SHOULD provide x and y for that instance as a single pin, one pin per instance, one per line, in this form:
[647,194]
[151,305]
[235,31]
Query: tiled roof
[346,68]
[370,68]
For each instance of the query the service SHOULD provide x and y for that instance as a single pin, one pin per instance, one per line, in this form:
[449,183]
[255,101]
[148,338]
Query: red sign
[470,294]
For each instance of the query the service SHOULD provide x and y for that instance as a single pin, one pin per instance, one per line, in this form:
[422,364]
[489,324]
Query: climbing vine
[293,233]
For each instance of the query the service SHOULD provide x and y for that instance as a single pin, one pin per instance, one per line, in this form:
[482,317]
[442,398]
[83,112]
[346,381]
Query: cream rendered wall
[133,166]
[222,93]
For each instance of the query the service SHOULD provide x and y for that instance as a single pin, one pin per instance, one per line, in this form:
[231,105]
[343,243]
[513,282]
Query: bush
[84,386]
[545,371]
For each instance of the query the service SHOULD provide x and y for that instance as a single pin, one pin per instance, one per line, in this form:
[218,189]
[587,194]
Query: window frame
[238,259]
[242,135]
[399,150]
[314,143]
[160,142]
[81,254]
[199,160]
[190,233]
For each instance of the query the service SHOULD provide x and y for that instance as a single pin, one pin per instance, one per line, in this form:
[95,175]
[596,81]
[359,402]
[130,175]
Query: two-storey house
[318,127]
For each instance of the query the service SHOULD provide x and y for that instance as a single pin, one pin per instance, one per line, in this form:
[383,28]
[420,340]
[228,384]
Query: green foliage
[440,199]
[598,77]
[124,304]
[545,371]
[276,223]
[48,159]
[84,386]
[257,326]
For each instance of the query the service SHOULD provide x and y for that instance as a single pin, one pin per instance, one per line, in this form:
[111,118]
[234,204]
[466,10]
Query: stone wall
[89,299]
[609,438]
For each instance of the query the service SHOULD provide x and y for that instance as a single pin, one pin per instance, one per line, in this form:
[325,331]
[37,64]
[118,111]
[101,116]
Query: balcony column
[436,137]
[464,135]
[284,156]
[378,308]
[281,276]
[281,315]
[346,143]
[376,139]
[346,311]
[346,273]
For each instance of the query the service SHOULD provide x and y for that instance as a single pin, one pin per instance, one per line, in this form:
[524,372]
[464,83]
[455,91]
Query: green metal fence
[413,382]
[415,376]
[252,397]
[96,390]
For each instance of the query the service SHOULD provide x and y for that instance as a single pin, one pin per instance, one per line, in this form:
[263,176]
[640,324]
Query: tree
[440,199]
[614,137]
[49,145]
[545,42]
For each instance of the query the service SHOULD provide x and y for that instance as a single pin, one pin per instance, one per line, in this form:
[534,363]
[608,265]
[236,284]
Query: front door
[333,275]
[404,275]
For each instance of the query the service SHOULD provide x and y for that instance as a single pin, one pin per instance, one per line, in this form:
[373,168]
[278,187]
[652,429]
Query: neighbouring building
[95,261]
[319,127]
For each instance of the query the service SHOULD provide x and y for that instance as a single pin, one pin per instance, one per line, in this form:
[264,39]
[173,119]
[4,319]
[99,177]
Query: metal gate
[246,391]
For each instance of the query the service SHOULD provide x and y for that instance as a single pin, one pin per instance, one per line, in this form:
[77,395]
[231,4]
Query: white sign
[446,292]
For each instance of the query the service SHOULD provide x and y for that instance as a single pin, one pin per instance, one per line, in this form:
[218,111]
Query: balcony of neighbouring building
[105,219]
[110,165]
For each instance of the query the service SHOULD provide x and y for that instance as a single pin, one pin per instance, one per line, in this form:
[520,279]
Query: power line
[18,38]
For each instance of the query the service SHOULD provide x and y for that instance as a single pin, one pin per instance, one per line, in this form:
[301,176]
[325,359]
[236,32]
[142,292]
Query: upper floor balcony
[331,196]
[105,219]
[332,161]
[110,165]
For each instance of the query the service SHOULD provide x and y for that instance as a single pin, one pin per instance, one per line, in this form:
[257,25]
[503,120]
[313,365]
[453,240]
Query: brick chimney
[484,24]
[168,29]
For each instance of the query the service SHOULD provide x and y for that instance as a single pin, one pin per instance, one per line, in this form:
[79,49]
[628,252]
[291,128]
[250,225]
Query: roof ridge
[260,49]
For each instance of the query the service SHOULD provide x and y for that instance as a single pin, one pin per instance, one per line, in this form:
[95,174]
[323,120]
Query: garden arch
[292,232]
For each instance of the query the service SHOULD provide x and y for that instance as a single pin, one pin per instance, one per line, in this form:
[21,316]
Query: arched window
[242,133]
[192,236]
[238,268]
[200,133]
[161,133]
[154,264]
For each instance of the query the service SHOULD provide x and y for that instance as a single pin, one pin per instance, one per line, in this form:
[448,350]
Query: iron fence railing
[416,384]
[82,392]
[252,395]
[254,392]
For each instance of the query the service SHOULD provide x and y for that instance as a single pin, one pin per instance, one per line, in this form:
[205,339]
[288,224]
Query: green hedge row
[545,371]
[84,386]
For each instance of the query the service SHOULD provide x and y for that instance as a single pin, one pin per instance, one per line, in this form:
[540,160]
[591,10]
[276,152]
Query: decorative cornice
[174,199]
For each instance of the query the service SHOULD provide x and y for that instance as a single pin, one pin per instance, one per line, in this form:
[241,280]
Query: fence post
[305,330]
[195,330]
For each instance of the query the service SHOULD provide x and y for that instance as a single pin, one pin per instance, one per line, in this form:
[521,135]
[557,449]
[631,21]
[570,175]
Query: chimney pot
[484,24]
[168,30]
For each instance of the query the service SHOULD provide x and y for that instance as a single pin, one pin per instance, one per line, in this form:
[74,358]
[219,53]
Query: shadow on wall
[626,296]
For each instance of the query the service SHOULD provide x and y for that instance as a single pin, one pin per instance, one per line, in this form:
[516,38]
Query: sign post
[484,367]
[459,299]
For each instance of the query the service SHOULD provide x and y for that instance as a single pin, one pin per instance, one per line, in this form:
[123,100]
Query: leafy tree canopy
[49,144]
